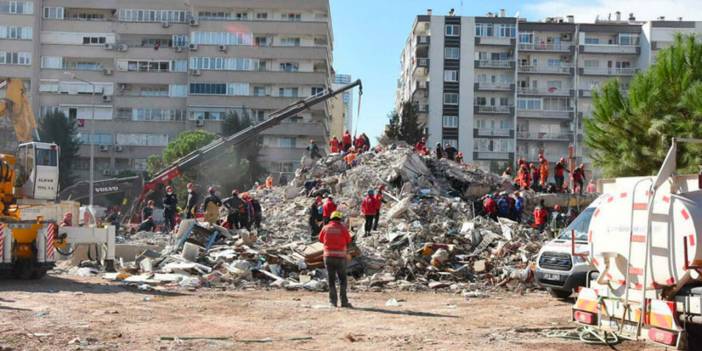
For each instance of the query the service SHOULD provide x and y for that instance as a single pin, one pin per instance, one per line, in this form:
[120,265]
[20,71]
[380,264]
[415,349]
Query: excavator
[30,235]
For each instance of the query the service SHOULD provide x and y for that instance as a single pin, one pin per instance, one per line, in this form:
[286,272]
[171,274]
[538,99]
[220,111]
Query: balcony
[565,114]
[545,92]
[544,136]
[562,69]
[491,155]
[608,71]
[610,49]
[423,40]
[493,109]
[494,64]
[585,93]
[487,86]
[483,132]
[497,41]
[421,86]
[545,47]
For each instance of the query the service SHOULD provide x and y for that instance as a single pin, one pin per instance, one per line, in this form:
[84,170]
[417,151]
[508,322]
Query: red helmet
[557,207]
[562,160]
[190,185]
[169,189]
[211,189]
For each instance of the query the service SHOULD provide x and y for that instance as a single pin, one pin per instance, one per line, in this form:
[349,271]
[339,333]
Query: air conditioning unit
[195,72]
[223,48]
[109,46]
[119,148]
[200,123]
[165,24]
[107,71]
[178,49]
[193,47]
[194,22]
[122,47]
[104,148]
[106,98]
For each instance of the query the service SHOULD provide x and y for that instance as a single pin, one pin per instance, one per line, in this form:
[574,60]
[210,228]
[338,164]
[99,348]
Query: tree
[629,133]
[246,168]
[403,127]
[54,127]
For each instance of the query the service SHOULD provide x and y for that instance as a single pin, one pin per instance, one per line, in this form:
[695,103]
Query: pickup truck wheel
[560,294]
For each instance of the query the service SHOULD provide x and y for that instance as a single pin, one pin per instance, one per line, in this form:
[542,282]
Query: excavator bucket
[17,107]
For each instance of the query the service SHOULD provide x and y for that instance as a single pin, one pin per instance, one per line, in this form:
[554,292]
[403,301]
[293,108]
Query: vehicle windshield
[47,157]
[580,224]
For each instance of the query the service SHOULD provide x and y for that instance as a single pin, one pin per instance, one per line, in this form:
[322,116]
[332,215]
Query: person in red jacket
[369,208]
[559,174]
[346,141]
[328,208]
[421,147]
[336,238]
[490,207]
[540,216]
[359,143]
[334,145]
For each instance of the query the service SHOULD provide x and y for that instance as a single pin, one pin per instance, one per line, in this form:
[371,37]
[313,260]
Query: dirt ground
[72,313]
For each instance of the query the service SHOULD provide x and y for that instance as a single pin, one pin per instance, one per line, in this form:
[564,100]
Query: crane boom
[216,147]
[15,105]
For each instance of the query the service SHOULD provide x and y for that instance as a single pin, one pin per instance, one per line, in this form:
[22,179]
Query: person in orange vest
[269,182]
[334,145]
[346,141]
[350,158]
[523,177]
[543,171]
[540,216]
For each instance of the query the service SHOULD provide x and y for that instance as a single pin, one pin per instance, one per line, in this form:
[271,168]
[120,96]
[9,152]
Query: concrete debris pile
[428,237]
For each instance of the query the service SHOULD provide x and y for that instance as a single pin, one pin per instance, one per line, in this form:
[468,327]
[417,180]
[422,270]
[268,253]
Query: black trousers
[189,213]
[233,220]
[169,217]
[559,183]
[376,219]
[336,268]
[369,223]
[314,230]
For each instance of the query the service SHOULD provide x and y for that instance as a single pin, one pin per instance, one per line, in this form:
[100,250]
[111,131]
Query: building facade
[339,80]
[502,88]
[150,70]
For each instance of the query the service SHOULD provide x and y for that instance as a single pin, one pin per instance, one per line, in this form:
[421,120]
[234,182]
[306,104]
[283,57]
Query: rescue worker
[170,205]
[490,207]
[518,206]
[450,151]
[369,208]
[350,158]
[336,238]
[421,147]
[543,172]
[315,217]
[191,202]
[535,176]
[459,157]
[579,178]
[233,206]
[258,213]
[540,216]
[346,141]
[503,209]
[211,206]
[247,216]
[523,177]
[148,211]
[439,151]
[269,182]
[559,173]
[283,179]
[379,197]
[360,144]
[314,150]
[328,208]
[366,142]
[334,145]
[507,173]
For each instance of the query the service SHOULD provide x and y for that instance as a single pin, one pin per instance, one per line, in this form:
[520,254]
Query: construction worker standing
[211,206]
[328,208]
[170,205]
[346,141]
[559,173]
[490,207]
[336,238]
[579,178]
[369,208]
[191,203]
[334,145]
[359,143]
[523,177]
[540,216]
[233,205]
[543,172]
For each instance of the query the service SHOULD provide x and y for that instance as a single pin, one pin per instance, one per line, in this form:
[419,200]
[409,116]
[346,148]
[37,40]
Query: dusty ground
[71,313]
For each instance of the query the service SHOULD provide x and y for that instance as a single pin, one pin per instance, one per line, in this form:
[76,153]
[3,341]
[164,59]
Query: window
[139,15]
[288,92]
[591,40]
[97,138]
[223,63]
[450,99]
[259,115]
[157,114]
[263,41]
[262,15]
[451,76]
[259,91]
[180,40]
[290,41]
[287,142]
[505,30]
[15,58]
[94,40]
[177,90]
[17,7]
[554,62]
[483,30]
[208,89]
[529,104]
[214,15]
[15,32]
[289,67]
[52,62]
[238,89]
[317,90]
[526,38]
[592,63]
[628,39]
[553,85]
[295,17]
[144,66]
[450,121]
[142,139]
[452,53]
[221,38]
[453,30]
[504,101]
[241,16]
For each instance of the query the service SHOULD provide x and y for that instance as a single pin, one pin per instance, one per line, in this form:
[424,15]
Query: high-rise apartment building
[502,88]
[162,67]
[339,80]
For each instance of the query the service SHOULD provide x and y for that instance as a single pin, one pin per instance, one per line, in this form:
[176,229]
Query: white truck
[643,239]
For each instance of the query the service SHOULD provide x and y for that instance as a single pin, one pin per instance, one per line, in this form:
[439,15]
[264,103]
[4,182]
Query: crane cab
[37,170]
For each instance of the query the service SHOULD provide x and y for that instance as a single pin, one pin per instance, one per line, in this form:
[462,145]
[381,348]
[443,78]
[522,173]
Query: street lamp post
[91,139]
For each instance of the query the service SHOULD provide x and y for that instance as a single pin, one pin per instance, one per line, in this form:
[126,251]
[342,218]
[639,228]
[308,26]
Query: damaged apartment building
[159,68]
[501,88]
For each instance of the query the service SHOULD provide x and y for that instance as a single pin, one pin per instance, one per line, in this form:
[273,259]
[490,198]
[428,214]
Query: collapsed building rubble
[428,237]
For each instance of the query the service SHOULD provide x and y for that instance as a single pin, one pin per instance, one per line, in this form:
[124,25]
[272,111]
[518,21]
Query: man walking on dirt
[336,238]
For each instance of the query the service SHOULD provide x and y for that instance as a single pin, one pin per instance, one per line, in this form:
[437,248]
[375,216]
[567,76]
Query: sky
[370,35]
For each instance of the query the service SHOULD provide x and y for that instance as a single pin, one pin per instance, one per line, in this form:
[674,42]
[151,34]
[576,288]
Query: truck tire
[560,294]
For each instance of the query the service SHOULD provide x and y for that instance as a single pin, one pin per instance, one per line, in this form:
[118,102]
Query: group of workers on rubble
[536,177]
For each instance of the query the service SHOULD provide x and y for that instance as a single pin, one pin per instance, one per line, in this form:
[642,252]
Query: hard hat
[169,189]
[211,189]
[190,185]
[557,207]
[371,192]
[235,192]
[336,215]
